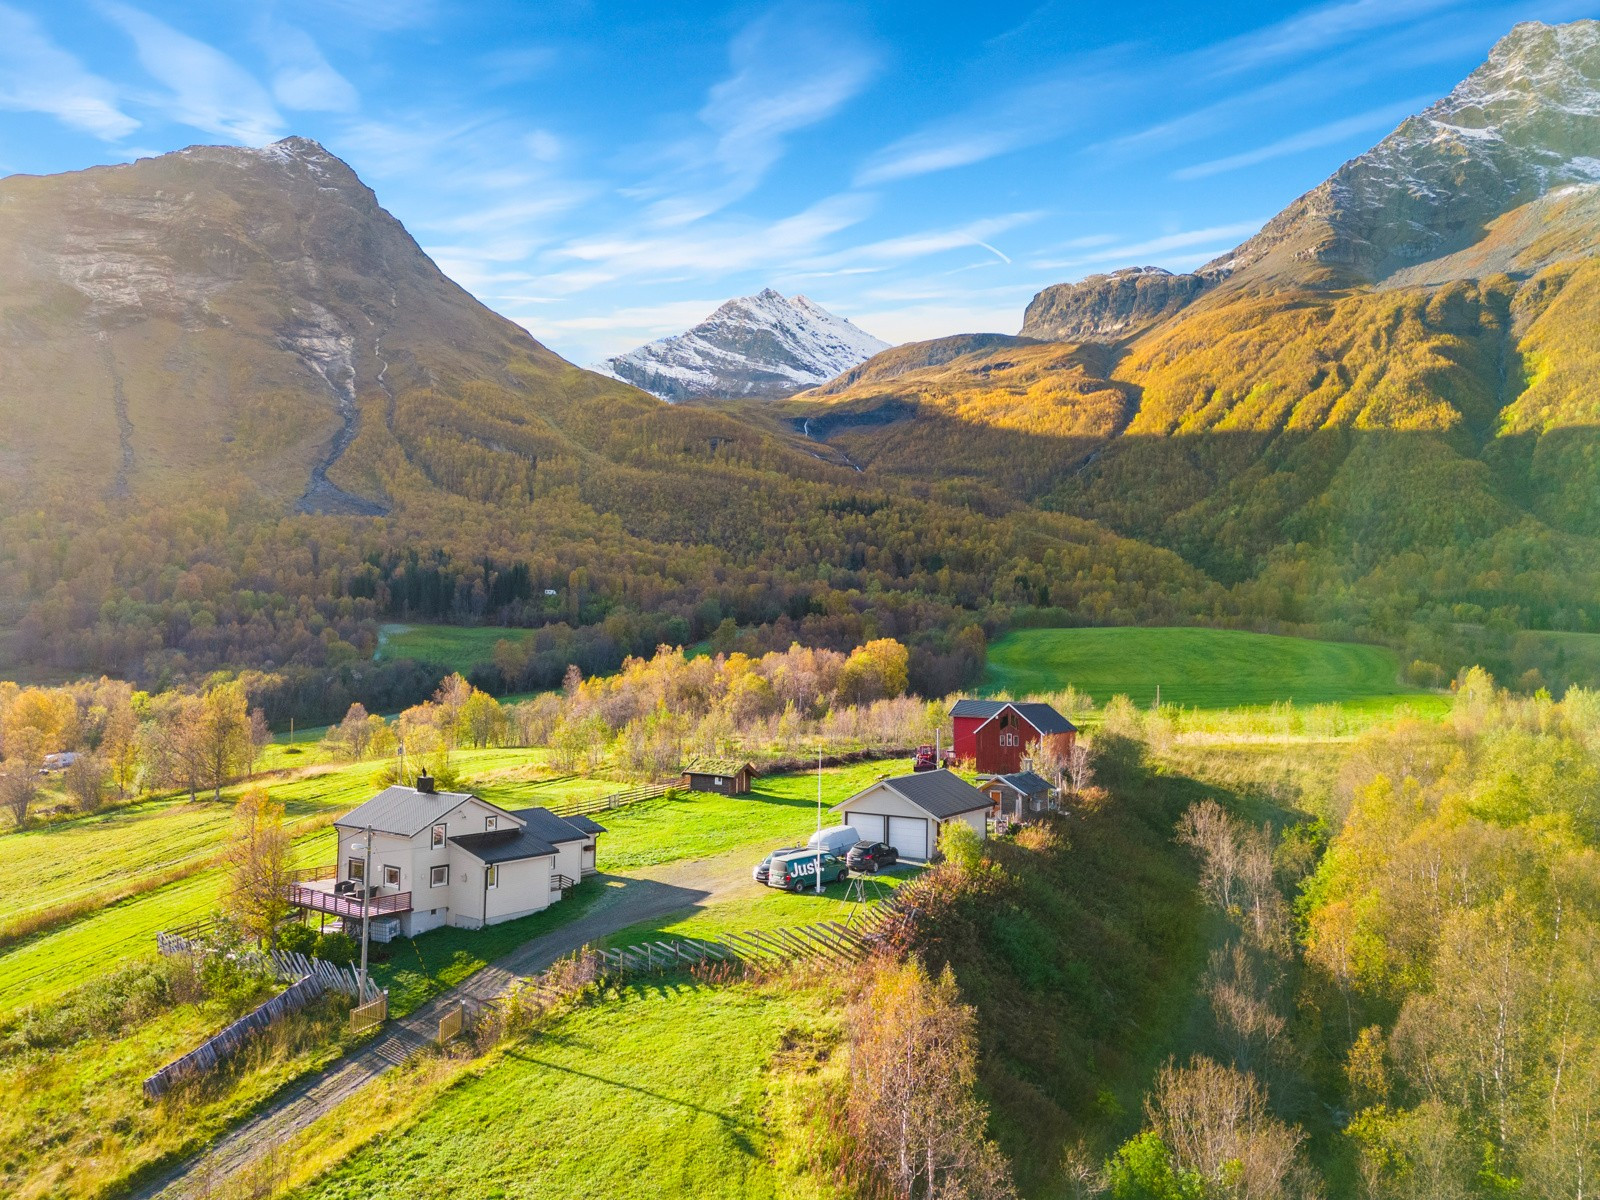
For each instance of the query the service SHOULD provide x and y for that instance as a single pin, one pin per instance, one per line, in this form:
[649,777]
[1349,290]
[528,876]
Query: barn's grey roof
[539,835]
[1035,712]
[940,794]
[1029,783]
[405,810]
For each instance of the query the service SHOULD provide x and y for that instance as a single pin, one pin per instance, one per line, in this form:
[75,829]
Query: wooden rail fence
[582,808]
[215,1049]
[846,941]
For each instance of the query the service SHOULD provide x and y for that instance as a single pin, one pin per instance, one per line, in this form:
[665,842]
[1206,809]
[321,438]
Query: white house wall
[524,888]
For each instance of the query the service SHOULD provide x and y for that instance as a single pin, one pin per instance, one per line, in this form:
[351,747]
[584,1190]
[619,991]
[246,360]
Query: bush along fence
[281,964]
[216,1049]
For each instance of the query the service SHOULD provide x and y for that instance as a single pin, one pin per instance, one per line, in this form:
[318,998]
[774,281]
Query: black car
[760,872]
[871,856]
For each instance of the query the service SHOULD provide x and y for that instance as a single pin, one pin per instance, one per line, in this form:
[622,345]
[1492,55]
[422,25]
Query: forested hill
[244,419]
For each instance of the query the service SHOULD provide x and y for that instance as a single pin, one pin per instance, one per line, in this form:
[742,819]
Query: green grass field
[74,861]
[670,1090]
[1200,668]
[780,809]
[454,647]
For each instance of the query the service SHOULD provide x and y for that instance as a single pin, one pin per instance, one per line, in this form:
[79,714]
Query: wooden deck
[323,900]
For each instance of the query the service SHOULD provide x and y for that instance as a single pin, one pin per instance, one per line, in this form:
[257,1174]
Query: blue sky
[608,173]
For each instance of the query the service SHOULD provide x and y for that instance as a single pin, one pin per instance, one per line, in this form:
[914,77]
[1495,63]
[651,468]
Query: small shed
[907,811]
[725,776]
[1019,795]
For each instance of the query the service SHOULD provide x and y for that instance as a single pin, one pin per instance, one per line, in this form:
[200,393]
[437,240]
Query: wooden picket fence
[215,1049]
[369,1015]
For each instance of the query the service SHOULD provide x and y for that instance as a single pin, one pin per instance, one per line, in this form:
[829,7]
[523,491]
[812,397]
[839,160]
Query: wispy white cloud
[1315,31]
[1155,250]
[723,246]
[208,90]
[1039,111]
[37,75]
[932,241]
[1383,118]
[302,78]
[790,69]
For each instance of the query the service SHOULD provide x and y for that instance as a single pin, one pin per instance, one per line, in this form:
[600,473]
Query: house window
[356,869]
[491,874]
[489,823]
[391,877]
[438,836]
[716,781]
[439,877]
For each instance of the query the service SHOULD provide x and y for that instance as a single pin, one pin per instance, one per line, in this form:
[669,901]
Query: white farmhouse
[908,811]
[446,858]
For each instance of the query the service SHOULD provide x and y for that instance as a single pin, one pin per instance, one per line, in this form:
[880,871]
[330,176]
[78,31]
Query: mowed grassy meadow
[454,647]
[1201,668]
[668,1090]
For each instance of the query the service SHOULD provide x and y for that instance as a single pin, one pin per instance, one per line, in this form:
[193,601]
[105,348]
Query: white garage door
[873,827]
[909,835]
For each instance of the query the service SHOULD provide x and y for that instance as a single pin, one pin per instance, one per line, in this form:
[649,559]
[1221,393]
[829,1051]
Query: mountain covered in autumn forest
[251,420]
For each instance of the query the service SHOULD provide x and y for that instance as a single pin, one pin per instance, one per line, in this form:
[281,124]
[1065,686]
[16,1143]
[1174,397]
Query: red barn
[994,734]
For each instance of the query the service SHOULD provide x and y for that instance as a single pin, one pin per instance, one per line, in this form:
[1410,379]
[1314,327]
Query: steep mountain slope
[220,313]
[1523,125]
[764,345]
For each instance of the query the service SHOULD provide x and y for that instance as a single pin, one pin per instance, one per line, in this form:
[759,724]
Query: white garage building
[907,811]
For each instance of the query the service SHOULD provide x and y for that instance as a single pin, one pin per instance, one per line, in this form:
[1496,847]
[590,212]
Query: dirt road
[636,896]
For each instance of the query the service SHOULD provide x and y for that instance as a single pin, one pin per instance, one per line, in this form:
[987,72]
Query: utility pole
[366,884]
[819,822]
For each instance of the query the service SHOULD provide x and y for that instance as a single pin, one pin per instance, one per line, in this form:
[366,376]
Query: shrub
[297,938]
[961,845]
[338,948]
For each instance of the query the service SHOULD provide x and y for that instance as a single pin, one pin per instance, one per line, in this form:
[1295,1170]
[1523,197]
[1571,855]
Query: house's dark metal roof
[555,830]
[539,835]
[1035,712]
[941,794]
[504,845]
[405,810]
[1029,783]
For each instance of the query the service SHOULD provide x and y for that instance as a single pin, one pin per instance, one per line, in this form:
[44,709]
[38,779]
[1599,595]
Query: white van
[836,839]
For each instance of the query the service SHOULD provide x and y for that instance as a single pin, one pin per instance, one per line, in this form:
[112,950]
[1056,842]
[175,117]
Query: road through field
[643,895]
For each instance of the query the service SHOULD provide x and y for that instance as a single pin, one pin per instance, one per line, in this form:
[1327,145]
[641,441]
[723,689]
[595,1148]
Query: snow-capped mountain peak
[766,345]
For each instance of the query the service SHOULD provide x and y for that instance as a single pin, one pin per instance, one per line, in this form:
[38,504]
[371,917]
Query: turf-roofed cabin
[446,858]
[994,735]
[725,776]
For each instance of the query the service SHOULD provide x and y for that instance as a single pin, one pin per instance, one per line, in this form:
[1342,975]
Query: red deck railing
[320,900]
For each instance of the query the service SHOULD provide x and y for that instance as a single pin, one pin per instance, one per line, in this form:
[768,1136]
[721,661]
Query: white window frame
[439,832]
[434,875]
[491,875]
[489,823]
[355,869]
[391,876]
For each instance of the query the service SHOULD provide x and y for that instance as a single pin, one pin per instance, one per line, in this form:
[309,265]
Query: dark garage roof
[1036,713]
[940,794]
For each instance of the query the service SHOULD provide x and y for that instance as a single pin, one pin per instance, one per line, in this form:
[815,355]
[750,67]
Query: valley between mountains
[1210,668]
